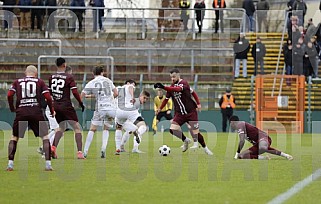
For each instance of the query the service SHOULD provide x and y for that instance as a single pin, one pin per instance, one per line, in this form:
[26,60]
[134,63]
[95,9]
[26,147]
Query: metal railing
[149,57]
[146,15]
[78,57]
[34,40]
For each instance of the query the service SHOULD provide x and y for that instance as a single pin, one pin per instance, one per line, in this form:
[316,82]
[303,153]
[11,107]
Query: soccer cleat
[195,146]
[137,151]
[49,168]
[122,148]
[40,151]
[53,152]
[85,154]
[289,157]
[80,155]
[103,154]
[207,151]
[117,152]
[9,168]
[185,145]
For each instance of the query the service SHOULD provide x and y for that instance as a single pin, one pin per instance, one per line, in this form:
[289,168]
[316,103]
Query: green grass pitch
[190,177]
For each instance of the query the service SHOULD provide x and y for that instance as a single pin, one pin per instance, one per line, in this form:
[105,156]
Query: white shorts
[122,116]
[105,116]
[52,121]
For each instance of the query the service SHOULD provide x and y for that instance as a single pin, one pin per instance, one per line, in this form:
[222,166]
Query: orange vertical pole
[301,102]
[259,100]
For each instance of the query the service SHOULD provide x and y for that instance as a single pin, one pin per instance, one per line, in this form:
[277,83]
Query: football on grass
[164,150]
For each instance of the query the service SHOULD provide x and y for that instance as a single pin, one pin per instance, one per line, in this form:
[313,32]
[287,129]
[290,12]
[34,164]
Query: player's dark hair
[68,69]
[131,81]
[175,70]
[234,118]
[146,93]
[98,70]
[60,61]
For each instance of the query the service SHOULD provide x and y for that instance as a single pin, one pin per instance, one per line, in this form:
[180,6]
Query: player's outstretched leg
[46,149]
[271,150]
[202,142]
[180,135]
[89,139]
[12,147]
[104,143]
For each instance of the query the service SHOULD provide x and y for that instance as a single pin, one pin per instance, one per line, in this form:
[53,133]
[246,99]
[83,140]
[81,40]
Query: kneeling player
[260,140]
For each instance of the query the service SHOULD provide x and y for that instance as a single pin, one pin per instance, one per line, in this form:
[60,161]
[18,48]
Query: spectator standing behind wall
[184,5]
[25,15]
[8,13]
[287,53]
[37,13]
[298,54]
[310,30]
[262,8]
[50,14]
[249,7]
[258,54]
[97,14]
[299,9]
[241,47]
[312,54]
[219,14]
[78,12]
[199,13]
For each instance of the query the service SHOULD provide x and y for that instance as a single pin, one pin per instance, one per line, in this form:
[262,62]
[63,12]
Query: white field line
[296,188]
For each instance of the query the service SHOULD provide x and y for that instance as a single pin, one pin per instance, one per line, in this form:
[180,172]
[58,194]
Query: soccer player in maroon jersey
[185,110]
[260,140]
[29,91]
[60,85]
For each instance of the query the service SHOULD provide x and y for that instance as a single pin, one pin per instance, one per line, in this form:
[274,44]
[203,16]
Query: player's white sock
[125,138]
[10,163]
[135,144]
[118,135]
[105,140]
[89,138]
[284,154]
[48,163]
[51,137]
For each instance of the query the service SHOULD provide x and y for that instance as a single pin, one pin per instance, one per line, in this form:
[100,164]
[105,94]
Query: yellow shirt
[158,102]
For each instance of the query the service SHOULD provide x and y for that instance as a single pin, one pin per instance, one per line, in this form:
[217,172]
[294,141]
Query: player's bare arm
[241,144]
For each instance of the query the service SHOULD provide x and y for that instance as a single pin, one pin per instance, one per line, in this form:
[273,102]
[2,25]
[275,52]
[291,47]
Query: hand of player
[82,106]
[199,107]
[159,86]
[236,155]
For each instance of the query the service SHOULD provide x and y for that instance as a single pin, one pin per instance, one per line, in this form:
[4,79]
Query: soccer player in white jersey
[104,91]
[127,115]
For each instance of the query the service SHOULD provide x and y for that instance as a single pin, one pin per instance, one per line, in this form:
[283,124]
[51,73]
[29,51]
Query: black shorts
[66,115]
[37,122]
[164,114]
[139,119]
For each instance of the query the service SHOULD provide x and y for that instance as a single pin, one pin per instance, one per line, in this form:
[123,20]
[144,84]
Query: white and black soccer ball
[164,150]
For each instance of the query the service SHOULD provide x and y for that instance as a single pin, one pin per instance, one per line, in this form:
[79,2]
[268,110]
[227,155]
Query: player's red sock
[12,147]
[178,134]
[78,138]
[201,139]
[47,149]
[58,136]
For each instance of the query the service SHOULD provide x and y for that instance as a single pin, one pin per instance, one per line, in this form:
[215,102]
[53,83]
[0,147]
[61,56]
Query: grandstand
[146,56]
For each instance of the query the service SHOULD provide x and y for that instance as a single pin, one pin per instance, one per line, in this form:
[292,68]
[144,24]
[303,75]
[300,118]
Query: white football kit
[127,112]
[105,108]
